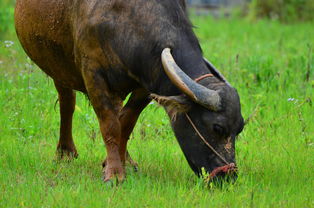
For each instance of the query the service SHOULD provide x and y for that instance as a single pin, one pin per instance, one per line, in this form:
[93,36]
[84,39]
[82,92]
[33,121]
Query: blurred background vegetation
[286,11]
[283,10]
[6,17]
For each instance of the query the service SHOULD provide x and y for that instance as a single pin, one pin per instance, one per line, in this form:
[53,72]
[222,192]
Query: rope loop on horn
[203,77]
[198,93]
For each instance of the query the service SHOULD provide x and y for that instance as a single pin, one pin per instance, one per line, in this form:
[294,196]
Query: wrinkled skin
[110,48]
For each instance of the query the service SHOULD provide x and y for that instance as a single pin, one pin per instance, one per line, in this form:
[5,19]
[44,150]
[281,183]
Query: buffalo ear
[173,104]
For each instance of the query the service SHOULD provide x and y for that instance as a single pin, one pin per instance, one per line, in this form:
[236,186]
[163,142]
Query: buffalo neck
[189,58]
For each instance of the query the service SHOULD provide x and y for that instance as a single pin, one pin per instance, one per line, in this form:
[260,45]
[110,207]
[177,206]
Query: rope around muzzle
[203,139]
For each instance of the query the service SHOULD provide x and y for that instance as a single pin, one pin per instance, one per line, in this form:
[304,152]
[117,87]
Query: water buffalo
[108,49]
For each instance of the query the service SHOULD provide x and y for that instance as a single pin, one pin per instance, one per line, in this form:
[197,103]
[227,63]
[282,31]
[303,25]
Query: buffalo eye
[218,129]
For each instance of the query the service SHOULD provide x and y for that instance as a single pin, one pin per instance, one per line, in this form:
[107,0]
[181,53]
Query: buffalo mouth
[226,173]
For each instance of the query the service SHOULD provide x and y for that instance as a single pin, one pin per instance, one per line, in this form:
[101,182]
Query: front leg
[110,129]
[128,118]
[107,107]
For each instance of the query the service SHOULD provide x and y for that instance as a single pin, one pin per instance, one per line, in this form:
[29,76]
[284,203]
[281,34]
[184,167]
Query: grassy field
[271,65]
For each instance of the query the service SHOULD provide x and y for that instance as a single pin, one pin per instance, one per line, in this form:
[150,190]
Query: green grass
[266,61]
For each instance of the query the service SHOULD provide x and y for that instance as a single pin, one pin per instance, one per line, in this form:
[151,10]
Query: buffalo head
[206,118]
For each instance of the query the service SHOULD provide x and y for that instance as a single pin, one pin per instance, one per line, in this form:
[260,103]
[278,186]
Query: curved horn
[198,93]
[215,71]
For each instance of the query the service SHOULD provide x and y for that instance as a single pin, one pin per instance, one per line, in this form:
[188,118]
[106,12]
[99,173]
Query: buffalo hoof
[135,168]
[132,166]
[113,173]
[109,183]
[66,153]
[129,161]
